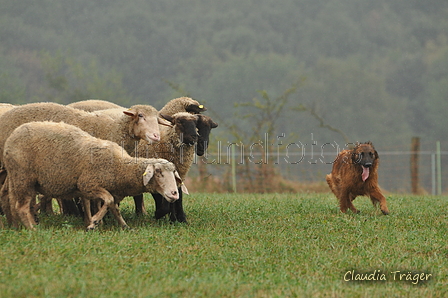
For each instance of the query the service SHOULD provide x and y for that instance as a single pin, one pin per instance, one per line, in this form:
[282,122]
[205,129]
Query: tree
[69,81]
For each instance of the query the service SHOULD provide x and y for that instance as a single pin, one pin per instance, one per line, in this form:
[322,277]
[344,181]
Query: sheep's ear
[184,189]
[178,179]
[213,124]
[167,117]
[182,185]
[166,120]
[209,120]
[129,113]
[147,175]
[195,109]
[162,121]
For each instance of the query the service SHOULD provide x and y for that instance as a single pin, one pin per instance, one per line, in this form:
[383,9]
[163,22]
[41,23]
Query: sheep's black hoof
[173,217]
[182,219]
[158,214]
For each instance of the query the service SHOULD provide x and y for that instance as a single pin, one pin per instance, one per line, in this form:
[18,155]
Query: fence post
[433,174]
[439,169]
[415,151]
[233,168]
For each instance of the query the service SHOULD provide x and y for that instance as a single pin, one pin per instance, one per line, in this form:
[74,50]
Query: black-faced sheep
[61,160]
[91,105]
[178,146]
[176,105]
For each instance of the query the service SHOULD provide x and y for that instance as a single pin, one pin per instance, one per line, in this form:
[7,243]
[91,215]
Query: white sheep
[176,105]
[138,122]
[91,105]
[4,107]
[61,160]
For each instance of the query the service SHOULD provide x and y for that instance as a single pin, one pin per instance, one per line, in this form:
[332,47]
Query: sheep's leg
[69,207]
[179,209]
[60,204]
[140,205]
[45,205]
[162,206]
[34,208]
[87,211]
[23,209]
[94,222]
[173,217]
[21,195]
[108,200]
[4,203]
[116,212]
[7,207]
[90,208]
[79,205]
[109,203]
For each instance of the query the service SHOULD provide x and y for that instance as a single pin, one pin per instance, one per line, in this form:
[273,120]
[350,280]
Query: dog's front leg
[344,201]
[351,197]
[377,196]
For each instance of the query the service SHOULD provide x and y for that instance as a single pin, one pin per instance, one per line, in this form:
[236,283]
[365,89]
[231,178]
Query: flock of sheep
[92,154]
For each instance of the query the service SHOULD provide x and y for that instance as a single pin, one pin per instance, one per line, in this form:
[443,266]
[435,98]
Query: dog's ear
[376,155]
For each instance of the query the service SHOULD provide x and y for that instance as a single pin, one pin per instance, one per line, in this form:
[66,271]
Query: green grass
[235,245]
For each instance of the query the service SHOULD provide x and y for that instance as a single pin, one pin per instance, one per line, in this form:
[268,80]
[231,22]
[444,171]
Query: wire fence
[394,173]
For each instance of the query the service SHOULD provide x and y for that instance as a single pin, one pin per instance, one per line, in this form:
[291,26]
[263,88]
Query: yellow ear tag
[201,106]
[144,174]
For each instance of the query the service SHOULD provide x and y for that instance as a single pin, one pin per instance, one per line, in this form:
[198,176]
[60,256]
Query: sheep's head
[165,179]
[204,125]
[185,126]
[183,104]
[145,123]
[194,107]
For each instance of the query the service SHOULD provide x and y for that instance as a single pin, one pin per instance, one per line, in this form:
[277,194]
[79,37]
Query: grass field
[238,245]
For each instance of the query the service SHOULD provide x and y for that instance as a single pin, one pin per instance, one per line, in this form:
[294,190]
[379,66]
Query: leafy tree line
[374,69]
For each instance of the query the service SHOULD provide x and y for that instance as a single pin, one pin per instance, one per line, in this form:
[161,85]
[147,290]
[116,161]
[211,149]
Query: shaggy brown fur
[355,173]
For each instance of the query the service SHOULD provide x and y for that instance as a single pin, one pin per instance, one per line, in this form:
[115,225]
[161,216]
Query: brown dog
[355,174]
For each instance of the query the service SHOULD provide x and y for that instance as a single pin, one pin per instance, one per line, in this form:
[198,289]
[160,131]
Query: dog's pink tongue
[365,173]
